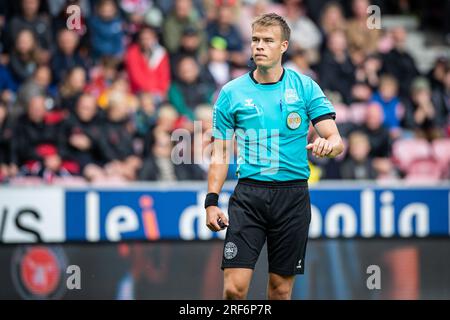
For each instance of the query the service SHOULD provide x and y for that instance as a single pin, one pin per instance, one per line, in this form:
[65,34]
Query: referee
[268,110]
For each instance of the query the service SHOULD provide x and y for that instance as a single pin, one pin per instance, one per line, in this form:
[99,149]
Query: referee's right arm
[217,174]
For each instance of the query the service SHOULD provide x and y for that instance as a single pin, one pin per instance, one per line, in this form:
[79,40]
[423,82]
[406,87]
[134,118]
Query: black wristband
[212,199]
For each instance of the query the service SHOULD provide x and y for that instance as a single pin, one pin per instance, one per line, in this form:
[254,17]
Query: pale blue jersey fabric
[270,122]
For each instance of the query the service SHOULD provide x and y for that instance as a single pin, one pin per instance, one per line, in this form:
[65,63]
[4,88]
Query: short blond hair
[273,19]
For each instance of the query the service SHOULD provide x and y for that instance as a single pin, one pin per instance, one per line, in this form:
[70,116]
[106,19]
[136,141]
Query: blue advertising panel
[155,213]
[387,212]
[123,215]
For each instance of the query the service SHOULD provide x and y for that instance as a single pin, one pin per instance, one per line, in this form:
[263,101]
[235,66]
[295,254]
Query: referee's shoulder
[302,79]
[236,83]
[304,84]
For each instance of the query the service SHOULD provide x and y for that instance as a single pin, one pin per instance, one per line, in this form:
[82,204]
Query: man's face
[86,108]
[147,40]
[267,46]
[447,80]
[25,41]
[183,8]
[107,10]
[225,15]
[360,8]
[43,76]
[337,42]
[30,7]
[36,109]
[190,42]
[3,112]
[399,35]
[67,41]
[188,70]
[374,116]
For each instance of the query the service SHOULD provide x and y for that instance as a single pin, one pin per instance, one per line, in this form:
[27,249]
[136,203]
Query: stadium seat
[26,181]
[424,171]
[441,151]
[407,151]
[358,112]
[343,114]
[73,181]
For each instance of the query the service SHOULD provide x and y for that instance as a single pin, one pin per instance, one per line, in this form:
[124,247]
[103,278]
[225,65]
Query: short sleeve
[223,119]
[319,107]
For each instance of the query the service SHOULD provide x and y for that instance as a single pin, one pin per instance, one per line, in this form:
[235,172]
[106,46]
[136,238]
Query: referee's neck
[268,75]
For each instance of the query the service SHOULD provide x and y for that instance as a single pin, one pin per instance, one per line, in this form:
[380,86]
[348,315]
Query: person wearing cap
[218,64]
[269,111]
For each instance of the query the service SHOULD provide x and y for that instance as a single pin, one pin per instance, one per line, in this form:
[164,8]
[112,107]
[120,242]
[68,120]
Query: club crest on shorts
[230,250]
[293,120]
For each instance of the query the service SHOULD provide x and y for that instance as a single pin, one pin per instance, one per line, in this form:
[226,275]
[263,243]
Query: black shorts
[278,211]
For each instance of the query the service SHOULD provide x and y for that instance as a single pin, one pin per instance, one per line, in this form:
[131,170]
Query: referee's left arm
[223,130]
[218,168]
[329,144]
[217,174]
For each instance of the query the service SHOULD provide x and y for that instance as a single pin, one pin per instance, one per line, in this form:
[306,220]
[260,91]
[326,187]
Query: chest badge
[291,96]
[293,120]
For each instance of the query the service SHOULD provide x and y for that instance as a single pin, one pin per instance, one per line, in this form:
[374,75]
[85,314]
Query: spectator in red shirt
[147,64]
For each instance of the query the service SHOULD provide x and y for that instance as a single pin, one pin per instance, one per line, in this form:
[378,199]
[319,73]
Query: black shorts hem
[235,265]
[303,183]
[285,272]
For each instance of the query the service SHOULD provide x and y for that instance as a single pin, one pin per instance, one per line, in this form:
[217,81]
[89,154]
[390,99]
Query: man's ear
[284,46]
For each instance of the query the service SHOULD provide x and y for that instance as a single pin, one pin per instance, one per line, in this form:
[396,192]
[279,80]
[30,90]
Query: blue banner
[155,213]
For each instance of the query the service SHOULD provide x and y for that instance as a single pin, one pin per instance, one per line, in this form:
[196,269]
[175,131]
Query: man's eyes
[265,40]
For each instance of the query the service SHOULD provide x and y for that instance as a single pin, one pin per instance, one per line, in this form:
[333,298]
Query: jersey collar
[266,83]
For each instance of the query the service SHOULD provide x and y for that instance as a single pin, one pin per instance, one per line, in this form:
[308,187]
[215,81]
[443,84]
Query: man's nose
[259,45]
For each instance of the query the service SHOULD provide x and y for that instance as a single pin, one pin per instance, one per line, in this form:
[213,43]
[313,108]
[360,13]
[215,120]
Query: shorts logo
[230,250]
[290,96]
[293,120]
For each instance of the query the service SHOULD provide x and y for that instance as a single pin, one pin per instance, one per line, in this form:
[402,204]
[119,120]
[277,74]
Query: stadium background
[86,117]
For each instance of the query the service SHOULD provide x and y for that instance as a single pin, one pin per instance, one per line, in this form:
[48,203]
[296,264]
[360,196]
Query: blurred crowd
[98,98]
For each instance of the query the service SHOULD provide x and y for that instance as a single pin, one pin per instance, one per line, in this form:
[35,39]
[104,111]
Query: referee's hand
[214,216]
[321,147]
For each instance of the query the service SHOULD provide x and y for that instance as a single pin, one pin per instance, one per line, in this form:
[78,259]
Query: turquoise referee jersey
[270,122]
